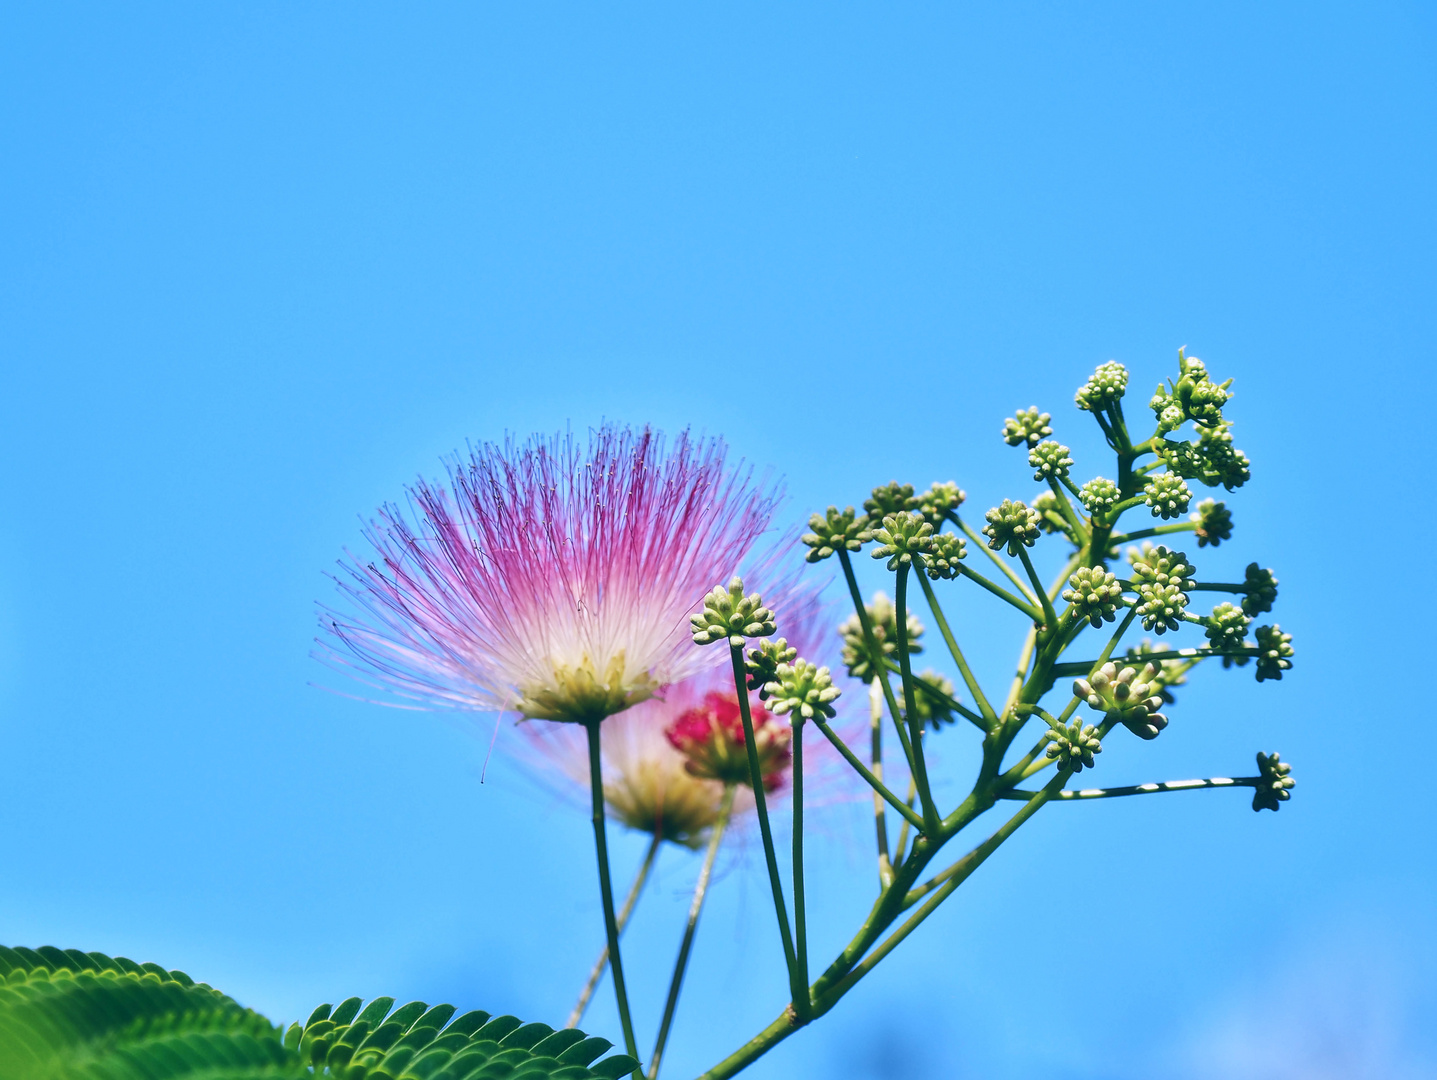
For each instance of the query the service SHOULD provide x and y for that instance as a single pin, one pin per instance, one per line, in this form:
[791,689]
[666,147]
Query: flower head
[549,577]
[710,736]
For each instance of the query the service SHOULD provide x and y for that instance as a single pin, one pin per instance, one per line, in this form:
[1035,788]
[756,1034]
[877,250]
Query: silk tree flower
[547,577]
[649,785]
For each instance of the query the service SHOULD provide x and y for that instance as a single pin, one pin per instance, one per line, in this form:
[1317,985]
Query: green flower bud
[1104,387]
[1169,672]
[1011,524]
[729,614]
[1030,426]
[891,498]
[942,560]
[1214,523]
[1050,460]
[1095,594]
[1276,782]
[835,531]
[1261,590]
[1275,652]
[1212,459]
[904,539]
[1098,496]
[1127,695]
[1167,495]
[1161,578]
[803,689]
[1193,396]
[762,664]
[1226,627]
[1074,746]
[884,619]
[939,501]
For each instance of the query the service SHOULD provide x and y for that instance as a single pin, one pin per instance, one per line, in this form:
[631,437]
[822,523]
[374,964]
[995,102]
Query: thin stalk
[1001,593]
[1070,515]
[903,832]
[1083,667]
[955,876]
[640,879]
[915,723]
[1156,530]
[999,563]
[880,789]
[1141,789]
[1025,657]
[880,819]
[1049,615]
[700,892]
[945,698]
[755,773]
[870,642]
[968,679]
[800,909]
[606,891]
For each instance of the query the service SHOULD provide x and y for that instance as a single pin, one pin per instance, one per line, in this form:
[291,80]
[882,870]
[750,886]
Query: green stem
[880,789]
[597,973]
[606,890]
[760,804]
[954,876]
[880,819]
[1070,515]
[1049,615]
[1001,593]
[1083,667]
[700,892]
[915,723]
[902,845]
[870,642]
[968,679]
[800,909]
[1156,530]
[1141,789]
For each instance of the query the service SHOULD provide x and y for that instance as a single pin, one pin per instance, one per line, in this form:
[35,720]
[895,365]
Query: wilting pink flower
[549,578]
[710,735]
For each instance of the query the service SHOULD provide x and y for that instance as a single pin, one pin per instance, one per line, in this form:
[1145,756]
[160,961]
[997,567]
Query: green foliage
[69,1015]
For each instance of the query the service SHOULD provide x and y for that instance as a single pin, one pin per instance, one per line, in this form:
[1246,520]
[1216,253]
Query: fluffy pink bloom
[550,578]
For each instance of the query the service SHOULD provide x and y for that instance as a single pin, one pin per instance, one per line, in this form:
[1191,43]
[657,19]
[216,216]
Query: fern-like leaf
[71,1015]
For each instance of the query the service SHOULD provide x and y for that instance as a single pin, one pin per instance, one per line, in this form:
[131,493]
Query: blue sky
[263,264]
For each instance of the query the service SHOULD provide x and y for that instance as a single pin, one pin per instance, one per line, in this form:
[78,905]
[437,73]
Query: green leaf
[71,1015]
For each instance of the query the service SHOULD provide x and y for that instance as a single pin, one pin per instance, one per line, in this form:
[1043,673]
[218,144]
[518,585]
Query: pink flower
[710,735]
[547,578]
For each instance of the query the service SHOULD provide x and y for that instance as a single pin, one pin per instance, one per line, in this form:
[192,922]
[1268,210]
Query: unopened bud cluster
[762,663]
[883,618]
[837,530]
[903,538]
[728,613]
[1126,695]
[1050,460]
[804,689]
[1161,578]
[1012,525]
[1095,594]
[944,556]
[1227,628]
[1029,426]
[1274,652]
[1098,496]
[1213,521]
[1104,387]
[1275,782]
[1167,495]
[1073,746]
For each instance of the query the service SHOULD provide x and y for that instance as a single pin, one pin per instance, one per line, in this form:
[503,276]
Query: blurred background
[264,264]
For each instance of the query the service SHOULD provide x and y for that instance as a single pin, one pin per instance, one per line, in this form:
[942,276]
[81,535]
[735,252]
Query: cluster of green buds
[762,664]
[728,613]
[943,557]
[1050,460]
[1191,396]
[1012,525]
[1095,594]
[1074,745]
[1104,388]
[1162,579]
[1212,523]
[1275,782]
[803,689]
[1274,652]
[1127,695]
[1212,458]
[1099,496]
[940,502]
[834,531]
[1167,495]
[1261,589]
[883,618]
[931,710]
[1029,426]
[904,539]
[891,498]
[1227,628]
